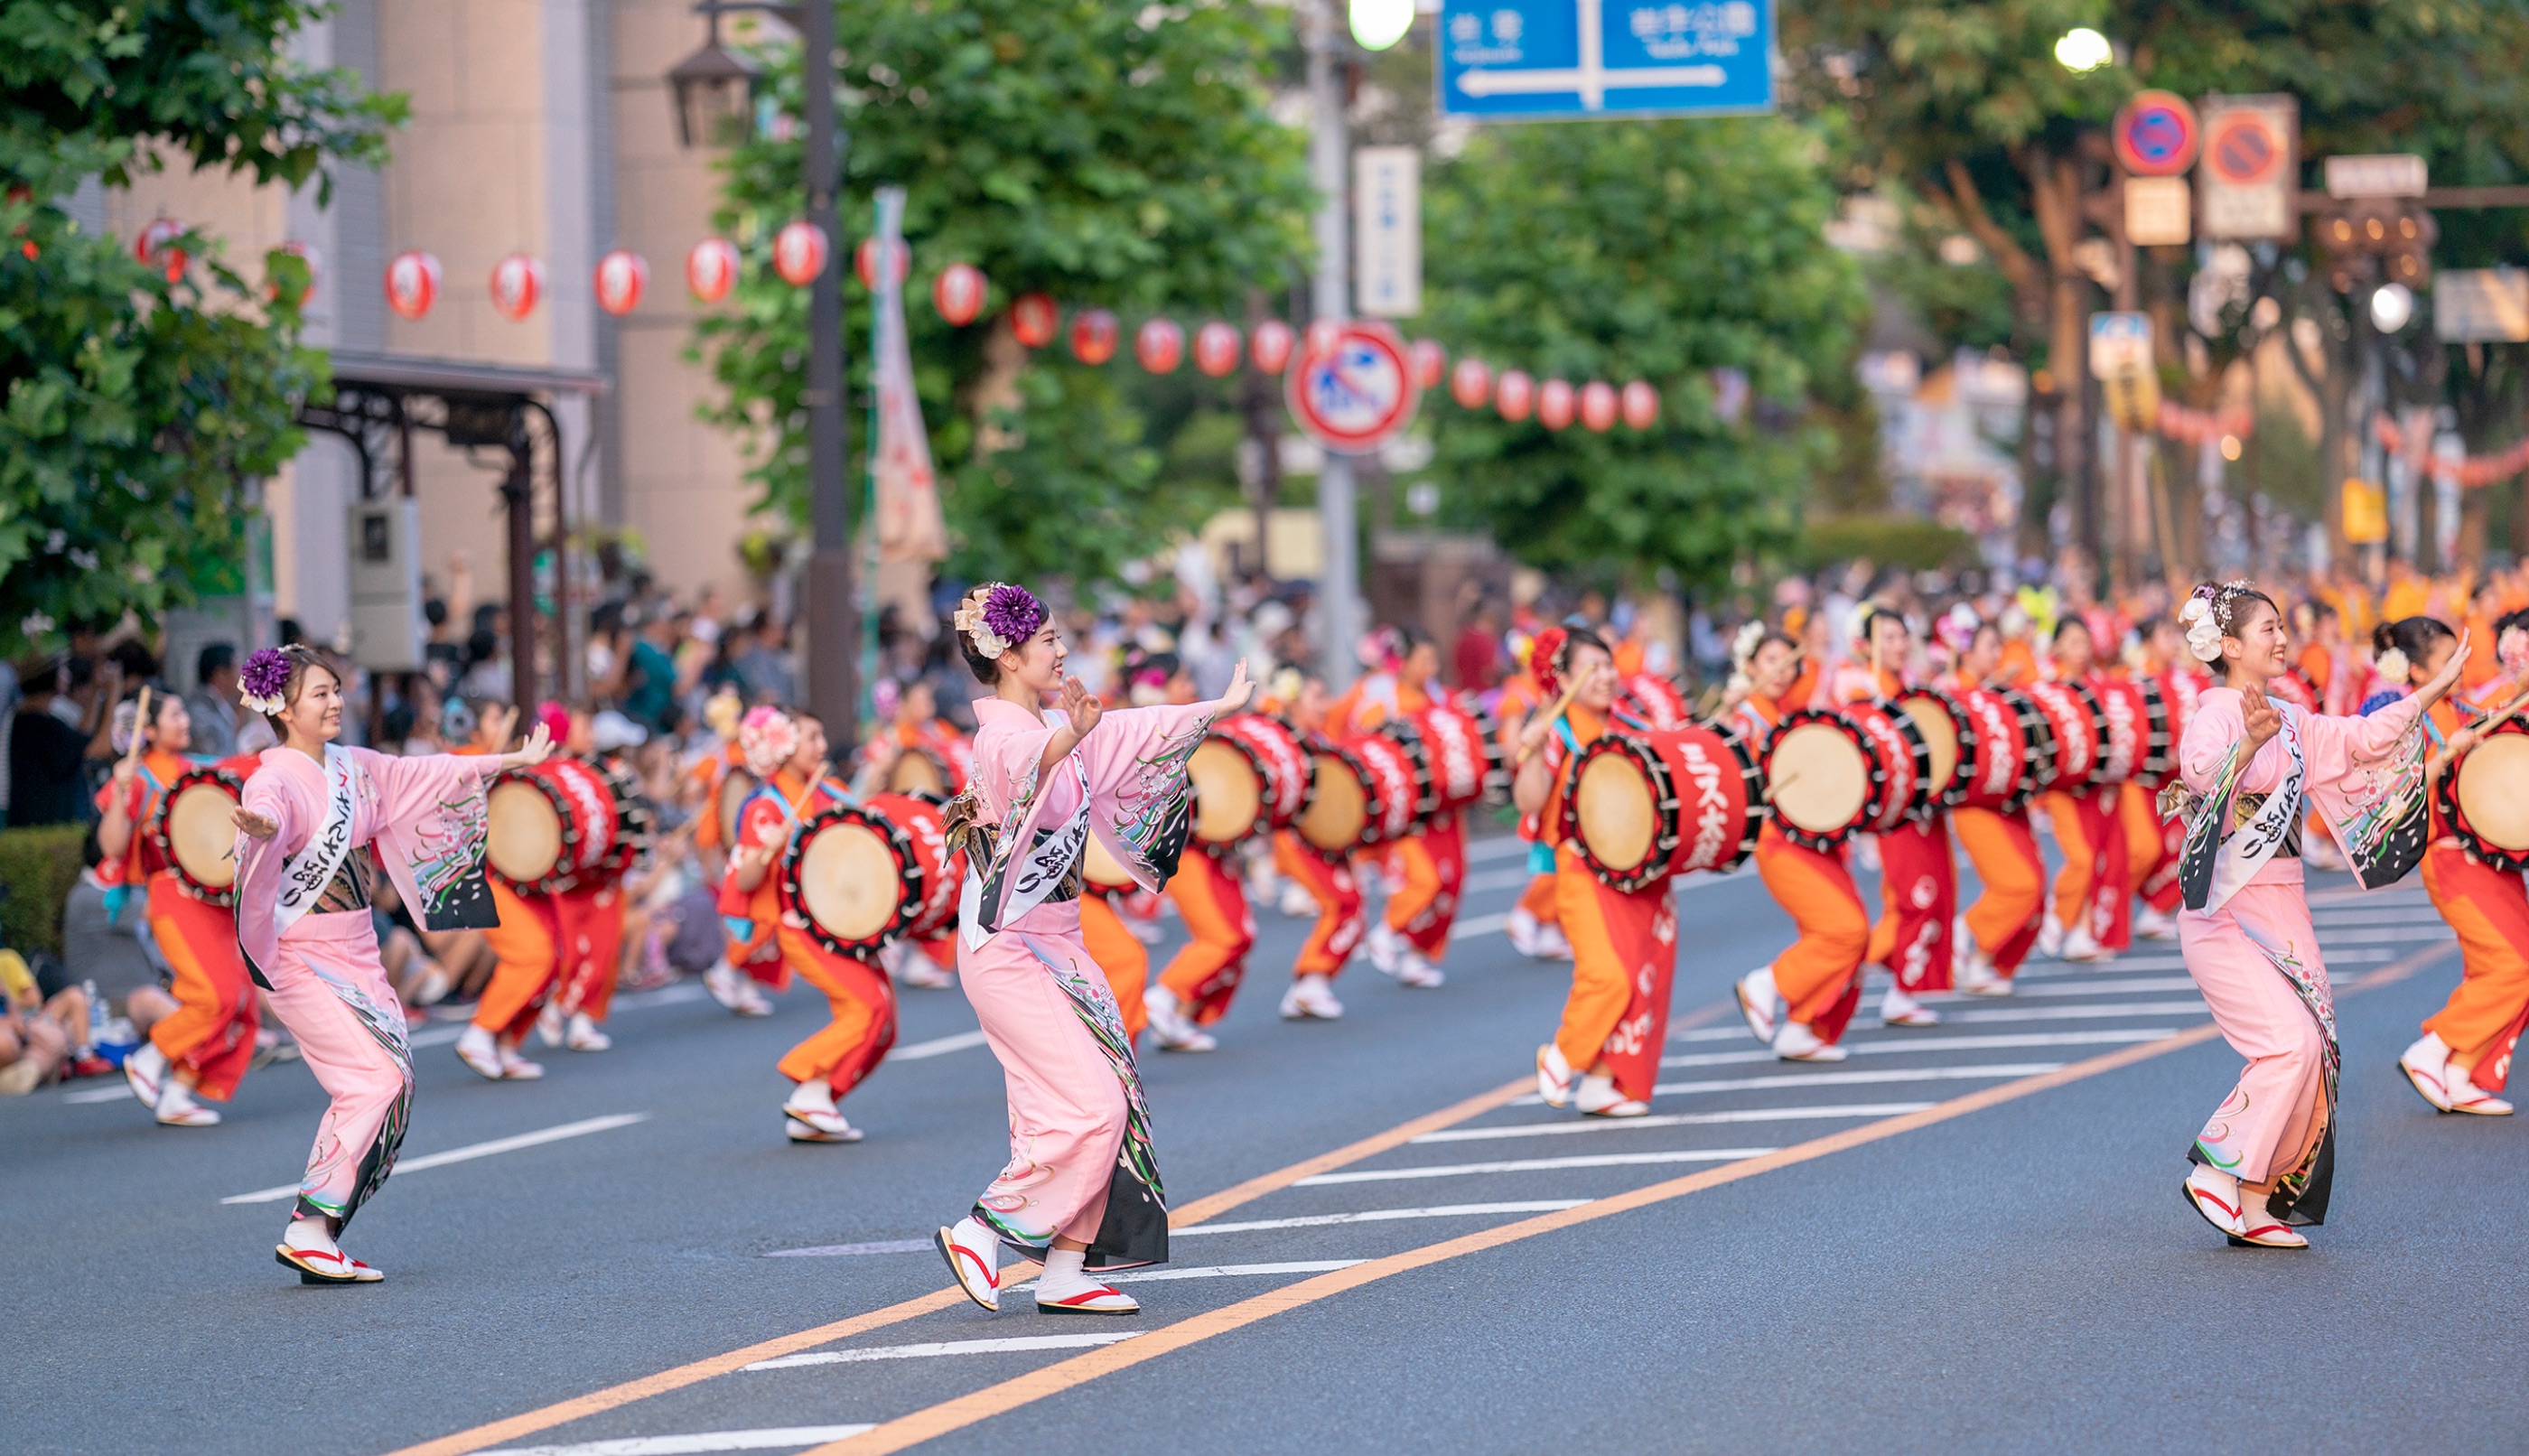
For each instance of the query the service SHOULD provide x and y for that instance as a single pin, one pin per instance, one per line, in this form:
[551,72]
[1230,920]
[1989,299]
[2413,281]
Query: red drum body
[941,872]
[854,878]
[2009,747]
[1905,761]
[1249,780]
[1453,758]
[1645,806]
[1950,736]
[2073,722]
[1275,747]
[554,824]
[2169,700]
[1823,777]
[1396,789]
[2484,797]
[195,837]
[1656,701]
[2125,714]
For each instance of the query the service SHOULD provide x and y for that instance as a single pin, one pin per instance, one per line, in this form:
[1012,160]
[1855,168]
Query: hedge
[37,867]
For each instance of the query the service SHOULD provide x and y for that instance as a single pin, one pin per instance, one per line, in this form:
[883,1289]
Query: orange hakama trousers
[2483,1017]
[1624,958]
[2004,917]
[2153,844]
[211,1031]
[2095,887]
[863,1002]
[1819,978]
[1432,862]
[1204,973]
[1331,884]
[527,945]
[1119,952]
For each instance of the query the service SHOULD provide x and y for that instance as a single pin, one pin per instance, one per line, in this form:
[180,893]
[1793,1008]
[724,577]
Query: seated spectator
[43,1023]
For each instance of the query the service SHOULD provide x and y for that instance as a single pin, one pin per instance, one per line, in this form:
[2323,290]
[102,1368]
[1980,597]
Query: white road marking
[2125,986]
[1733,1032]
[1492,879]
[1676,1119]
[437,1036]
[1533,1164]
[1983,1070]
[846,1251]
[1215,1271]
[2050,969]
[2381,915]
[937,1348]
[775,1438]
[470,1153]
[675,993]
[2080,1013]
[113,1093]
[1500,847]
[1478,925]
[1901,1043]
[937,1046]
[2357,937]
[1382,1216]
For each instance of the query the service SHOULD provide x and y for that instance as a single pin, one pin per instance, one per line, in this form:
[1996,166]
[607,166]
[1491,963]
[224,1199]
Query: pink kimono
[303,926]
[1081,1163]
[2246,929]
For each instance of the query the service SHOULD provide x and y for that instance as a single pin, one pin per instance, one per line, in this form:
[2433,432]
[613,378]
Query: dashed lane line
[469,1152]
[1213,1271]
[1380,1216]
[1901,1043]
[939,1047]
[1672,1119]
[936,1349]
[771,1438]
[2073,1013]
[1535,1166]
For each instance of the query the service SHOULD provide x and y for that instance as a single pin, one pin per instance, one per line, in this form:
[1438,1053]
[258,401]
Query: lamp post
[715,92]
[1330,160]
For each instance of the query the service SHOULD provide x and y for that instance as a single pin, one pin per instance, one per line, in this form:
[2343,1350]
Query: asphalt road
[1946,1277]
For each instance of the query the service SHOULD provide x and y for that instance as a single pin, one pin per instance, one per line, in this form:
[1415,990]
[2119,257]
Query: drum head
[735,786]
[1336,815]
[525,839]
[2487,780]
[1102,868]
[916,771]
[1940,734]
[1228,794]
[849,882]
[200,834]
[1820,780]
[1616,820]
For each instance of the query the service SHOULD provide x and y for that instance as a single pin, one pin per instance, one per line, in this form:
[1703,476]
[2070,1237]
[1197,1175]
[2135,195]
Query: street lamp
[1377,24]
[2084,50]
[710,96]
[2391,307]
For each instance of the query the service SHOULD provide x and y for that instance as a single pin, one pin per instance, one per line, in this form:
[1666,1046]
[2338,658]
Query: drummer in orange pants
[1995,935]
[1327,879]
[1195,990]
[1604,1058]
[1119,952]
[2153,840]
[1918,882]
[1530,924]
[2088,922]
[1428,864]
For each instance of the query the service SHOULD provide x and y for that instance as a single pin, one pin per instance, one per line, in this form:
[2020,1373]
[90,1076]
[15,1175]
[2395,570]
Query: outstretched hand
[2447,676]
[1239,691]
[2262,719]
[257,826]
[1081,707]
[539,748]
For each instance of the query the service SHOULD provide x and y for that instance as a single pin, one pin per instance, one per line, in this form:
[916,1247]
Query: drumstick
[1786,782]
[139,725]
[1570,692]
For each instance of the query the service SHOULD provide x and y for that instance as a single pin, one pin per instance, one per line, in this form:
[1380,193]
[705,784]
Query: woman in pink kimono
[307,819]
[2251,766]
[1081,1186]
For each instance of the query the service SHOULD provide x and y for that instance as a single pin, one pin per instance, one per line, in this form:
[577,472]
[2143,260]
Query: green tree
[1652,251]
[133,403]
[1110,155]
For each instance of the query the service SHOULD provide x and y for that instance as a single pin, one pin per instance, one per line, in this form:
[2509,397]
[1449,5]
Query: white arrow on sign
[1590,79]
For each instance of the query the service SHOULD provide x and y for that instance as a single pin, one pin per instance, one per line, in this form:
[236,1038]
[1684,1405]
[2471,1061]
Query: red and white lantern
[1322,335]
[622,276]
[1598,407]
[1555,404]
[1034,318]
[711,269]
[1471,383]
[308,253]
[1429,360]
[156,247]
[1159,344]
[517,281]
[412,283]
[1216,349]
[865,262]
[1640,404]
[800,252]
[1515,396]
[1270,348]
[1093,336]
[959,294]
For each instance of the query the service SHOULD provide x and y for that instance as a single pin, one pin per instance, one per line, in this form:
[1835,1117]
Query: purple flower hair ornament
[262,680]
[998,616]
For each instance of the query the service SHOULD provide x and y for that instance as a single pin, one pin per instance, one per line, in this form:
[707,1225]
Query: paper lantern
[1430,360]
[412,283]
[1034,319]
[1160,345]
[1216,349]
[620,277]
[1321,338]
[865,262]
[959,294]
[800,252]
[1598,407]
[156,247]
[1270,348]
[517,281]
[1471,383]
[306,254]
[1515,396]
[1555,404]
[1093,336]
[711,269]
[1641,406]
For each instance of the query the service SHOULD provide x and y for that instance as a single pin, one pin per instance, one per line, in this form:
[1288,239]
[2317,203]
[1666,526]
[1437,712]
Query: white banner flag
[910,527]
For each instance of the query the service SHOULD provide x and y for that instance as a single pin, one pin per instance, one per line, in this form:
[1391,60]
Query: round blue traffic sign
[2156,134]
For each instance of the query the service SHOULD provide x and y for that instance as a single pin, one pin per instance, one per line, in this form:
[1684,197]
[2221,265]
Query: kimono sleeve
[433,820]
[1135,762]
[261,863]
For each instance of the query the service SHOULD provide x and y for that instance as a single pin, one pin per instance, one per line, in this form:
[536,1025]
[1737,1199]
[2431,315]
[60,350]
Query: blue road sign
[1546,60]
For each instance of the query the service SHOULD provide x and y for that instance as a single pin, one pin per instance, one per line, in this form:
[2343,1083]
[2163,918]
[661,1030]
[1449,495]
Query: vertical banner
[911,532]
[1387,230]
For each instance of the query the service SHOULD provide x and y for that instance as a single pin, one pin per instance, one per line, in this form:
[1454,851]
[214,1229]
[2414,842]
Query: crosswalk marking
[469,1152]
[935,1349]
[1383,1216]
[1900,1042]
[1212,1272]
[1666,1120]
[1533,1164]
[1983,1070]
[2076,1013]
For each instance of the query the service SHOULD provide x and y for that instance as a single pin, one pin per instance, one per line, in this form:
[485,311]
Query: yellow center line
[1067,1374]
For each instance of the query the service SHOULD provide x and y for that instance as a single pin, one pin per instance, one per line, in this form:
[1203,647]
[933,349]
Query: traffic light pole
[1330,160]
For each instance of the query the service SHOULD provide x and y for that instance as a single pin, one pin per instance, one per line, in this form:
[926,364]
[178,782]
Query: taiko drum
[1950,740]
[1659,703]
[1823,777]
[1454,760]
[552,822]
[1645,806]
[195,832]
[854,876]
[2126,715]
[2077,727]
[1247,779]
[1391,773]
[941,872]
[2011,744]
[2481,801]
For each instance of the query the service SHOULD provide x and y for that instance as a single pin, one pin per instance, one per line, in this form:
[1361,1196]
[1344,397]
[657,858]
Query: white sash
[1041,869]
[2245,852]
[304,874]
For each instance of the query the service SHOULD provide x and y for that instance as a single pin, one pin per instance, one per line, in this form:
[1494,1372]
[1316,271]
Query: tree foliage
[134,405]
[1107,155]
[1658,250]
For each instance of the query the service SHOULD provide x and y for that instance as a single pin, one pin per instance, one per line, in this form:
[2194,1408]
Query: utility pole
[833,609]
[1330,160]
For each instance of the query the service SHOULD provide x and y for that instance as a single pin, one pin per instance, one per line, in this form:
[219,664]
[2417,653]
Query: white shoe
[1796,1043]
[1384,946]
[922,973]
[584,1035]
[2049,937]
[751,1000]
[1296,903]
[1555,1079]
[2214,1196]
[974,1255]
[2154,924]
[476,1048]
[726,985]
[177,1107]
[1599,1097]
[549,1024]
[2426,1068]
[1526,933]
[1760,1004]
[146,1070]
[1415,973]
[1171,1028]
[1897,1008]
[1311,999]
[2081,946]
[827,1126]
[517,1068]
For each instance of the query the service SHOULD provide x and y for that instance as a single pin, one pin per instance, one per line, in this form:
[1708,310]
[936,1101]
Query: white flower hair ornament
[2392,665]
[997,615]
[970,621]
[2203,633]
[1743,647]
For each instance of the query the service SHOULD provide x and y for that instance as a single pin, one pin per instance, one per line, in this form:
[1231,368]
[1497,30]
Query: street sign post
[2155,134]
[1356,393]
[2481,305]
[2247,180]
[2384,175]
[1548,60]
[2158,211]
[2121,361]
[1387,230]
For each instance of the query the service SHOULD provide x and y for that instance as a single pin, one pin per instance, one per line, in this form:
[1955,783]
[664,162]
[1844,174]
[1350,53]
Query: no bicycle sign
[1356,393]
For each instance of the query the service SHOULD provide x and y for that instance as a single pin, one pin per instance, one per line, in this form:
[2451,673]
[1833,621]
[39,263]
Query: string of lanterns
[2474,471]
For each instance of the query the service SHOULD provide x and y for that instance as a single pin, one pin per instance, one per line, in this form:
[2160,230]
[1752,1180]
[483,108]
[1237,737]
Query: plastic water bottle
[95,1016]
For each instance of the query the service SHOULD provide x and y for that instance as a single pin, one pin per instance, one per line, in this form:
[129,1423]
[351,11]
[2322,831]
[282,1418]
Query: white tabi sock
[816,1094]
[308,1236]
[1064,1275]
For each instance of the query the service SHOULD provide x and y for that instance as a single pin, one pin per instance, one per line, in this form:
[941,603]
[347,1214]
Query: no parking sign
[2155,134]
[1355,393]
